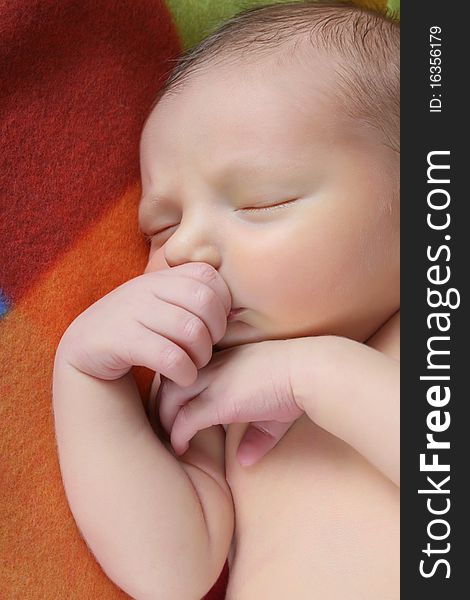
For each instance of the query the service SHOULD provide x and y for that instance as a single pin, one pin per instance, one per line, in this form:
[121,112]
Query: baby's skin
[274,260]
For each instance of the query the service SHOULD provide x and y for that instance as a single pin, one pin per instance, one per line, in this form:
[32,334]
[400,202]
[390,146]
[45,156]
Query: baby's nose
[185,253]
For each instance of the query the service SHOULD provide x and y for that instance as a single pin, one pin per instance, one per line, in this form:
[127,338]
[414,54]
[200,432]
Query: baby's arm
[353,392]
[160,527]
[347,388]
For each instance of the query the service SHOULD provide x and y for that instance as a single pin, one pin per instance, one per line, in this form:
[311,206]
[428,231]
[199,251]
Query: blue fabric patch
[5,304]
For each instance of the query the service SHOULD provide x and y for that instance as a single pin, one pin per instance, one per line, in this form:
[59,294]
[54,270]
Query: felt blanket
[77,79]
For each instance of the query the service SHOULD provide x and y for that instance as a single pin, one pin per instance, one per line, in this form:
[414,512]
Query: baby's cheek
[300,278]
[274,276]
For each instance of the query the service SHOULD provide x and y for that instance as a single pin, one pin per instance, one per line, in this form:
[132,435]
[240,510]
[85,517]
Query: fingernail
[245,455]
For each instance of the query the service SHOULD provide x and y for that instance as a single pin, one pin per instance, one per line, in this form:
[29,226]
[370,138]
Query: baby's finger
[207,274]
[259,439]
[194,416]
[198,299]
[167,405]
[163,356]
[180,326]
[171,397]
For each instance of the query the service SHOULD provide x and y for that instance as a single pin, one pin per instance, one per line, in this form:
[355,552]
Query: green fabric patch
[393,7]
[196,19]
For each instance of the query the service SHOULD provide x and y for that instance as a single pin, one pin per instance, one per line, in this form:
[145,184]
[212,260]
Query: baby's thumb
[259,439]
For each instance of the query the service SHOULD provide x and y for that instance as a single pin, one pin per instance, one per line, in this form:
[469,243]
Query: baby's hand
[248,383]
[165,320]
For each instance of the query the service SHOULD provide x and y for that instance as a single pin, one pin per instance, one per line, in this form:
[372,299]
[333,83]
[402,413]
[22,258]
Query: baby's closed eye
[282,204]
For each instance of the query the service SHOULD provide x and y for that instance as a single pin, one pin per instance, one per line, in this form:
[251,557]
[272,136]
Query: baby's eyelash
[258,208]
[148,238]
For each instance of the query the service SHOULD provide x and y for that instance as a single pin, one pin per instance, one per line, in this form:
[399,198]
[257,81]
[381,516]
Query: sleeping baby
[269,312]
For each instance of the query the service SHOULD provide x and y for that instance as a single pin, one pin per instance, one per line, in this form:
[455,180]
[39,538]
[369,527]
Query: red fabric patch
[77,80]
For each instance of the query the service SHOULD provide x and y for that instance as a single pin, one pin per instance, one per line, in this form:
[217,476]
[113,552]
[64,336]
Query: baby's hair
[365,44]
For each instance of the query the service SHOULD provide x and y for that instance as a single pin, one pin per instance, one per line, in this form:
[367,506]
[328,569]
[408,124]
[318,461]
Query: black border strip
[423,132]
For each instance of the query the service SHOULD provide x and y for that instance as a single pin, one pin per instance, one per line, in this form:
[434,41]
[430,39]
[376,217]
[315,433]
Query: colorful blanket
[77,80]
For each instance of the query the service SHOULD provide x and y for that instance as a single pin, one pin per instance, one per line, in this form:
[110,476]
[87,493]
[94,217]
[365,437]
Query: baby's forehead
[260,100]
[314,69]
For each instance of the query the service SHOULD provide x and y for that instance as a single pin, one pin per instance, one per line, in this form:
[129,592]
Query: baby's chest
[312,505]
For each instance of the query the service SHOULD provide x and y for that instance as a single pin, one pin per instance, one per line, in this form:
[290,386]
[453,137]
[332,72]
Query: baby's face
[259,175]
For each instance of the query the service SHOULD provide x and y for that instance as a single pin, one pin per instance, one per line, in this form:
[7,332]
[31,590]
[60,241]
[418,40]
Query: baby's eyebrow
[234,167]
